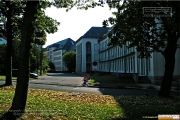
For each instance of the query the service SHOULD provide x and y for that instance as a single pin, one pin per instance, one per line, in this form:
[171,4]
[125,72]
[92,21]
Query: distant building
[87,49]
[55,52]
[2,41]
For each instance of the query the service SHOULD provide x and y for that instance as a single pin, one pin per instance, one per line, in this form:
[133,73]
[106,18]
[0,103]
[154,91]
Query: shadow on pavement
[64,75]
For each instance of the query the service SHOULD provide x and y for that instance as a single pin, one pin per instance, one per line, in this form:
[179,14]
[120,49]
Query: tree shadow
[137,104]
[4,85]
[64,75]
[11,115]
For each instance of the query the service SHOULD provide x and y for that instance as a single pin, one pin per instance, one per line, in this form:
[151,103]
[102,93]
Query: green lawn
[54,105]
[2,77]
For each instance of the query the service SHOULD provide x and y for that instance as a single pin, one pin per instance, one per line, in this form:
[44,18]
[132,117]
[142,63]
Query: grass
[46,104]
[2,77]
[113,81]
[55,105]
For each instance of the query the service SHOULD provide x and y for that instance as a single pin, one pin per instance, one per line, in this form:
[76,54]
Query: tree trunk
[20,97]
[9,45]
[169,55]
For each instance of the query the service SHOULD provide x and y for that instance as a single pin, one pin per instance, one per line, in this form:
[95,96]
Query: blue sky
[74,23]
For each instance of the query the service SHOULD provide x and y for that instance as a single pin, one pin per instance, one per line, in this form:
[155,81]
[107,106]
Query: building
[125,61]
[2,41]
[122,61]
[55,52]
[87,49]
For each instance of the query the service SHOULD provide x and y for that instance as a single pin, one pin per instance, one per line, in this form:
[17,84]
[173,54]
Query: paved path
[69,82]
[63,79]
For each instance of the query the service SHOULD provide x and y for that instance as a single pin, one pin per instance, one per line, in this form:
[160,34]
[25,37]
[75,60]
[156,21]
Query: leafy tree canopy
[147,34]
[69,59]
[43,23]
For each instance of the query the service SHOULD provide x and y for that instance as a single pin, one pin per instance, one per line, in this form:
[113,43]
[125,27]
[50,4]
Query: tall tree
[9,10]
[31,13]
[148,34]
[19,100]
[9,45]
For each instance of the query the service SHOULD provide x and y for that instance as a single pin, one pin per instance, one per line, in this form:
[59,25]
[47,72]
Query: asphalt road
[69,82]
[62,79]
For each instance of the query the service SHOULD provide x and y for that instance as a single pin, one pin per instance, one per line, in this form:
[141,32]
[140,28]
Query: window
[149,64]
[88,47]
[95,47]
[95,57]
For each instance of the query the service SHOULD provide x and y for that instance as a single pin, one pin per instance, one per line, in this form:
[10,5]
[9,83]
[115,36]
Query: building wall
[158,67]
[177,63]
[79,56]
[63,64]
[50,54]
[116,59]
[82,53]
[57,60]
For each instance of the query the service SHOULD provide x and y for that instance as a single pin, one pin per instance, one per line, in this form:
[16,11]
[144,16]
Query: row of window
[57,58]
[115,52]
[57,53]
[103,44]
[57,63]
[120,65]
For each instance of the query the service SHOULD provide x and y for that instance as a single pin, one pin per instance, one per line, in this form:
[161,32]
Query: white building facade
[116,59]
[119,60]
[87,49]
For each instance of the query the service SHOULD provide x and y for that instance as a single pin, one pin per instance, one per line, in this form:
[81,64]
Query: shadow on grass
[4,85]
[10,115]
[137,103]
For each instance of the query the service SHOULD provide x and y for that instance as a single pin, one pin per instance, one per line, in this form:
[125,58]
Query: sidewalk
[157,87]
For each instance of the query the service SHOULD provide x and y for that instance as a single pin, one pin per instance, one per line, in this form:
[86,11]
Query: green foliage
[51,66]
[15,56]
[69,59]
[147,34]
[45,64]
[15,53]
[34,58]
[43,23]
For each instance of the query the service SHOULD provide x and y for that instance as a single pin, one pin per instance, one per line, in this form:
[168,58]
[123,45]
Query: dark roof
[95,32]
[66,44]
